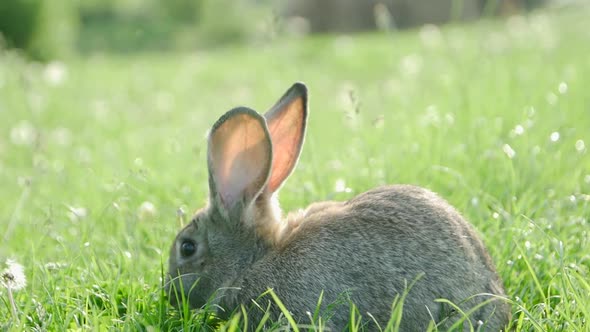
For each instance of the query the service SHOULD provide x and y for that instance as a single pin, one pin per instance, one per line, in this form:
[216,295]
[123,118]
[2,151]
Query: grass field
[98,155]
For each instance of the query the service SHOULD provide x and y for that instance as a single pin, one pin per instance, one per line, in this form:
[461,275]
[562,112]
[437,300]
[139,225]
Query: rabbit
[367,251]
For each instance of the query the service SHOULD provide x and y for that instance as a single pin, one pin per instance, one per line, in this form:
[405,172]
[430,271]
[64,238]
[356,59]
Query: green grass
[494,116]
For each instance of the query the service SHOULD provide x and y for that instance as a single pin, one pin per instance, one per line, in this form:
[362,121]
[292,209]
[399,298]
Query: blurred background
[46,30]
[105,106]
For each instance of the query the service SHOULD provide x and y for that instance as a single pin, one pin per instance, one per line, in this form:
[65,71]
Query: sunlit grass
[99,155]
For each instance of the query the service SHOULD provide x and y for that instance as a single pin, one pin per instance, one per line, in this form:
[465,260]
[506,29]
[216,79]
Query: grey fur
[367,250]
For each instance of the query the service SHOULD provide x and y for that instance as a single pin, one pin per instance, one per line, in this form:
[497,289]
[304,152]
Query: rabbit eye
[187,248]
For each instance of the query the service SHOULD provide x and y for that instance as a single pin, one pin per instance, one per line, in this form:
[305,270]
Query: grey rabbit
[367,250]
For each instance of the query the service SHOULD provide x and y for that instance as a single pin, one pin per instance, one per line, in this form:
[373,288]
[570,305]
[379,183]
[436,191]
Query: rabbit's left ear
[286,122]
[239,159]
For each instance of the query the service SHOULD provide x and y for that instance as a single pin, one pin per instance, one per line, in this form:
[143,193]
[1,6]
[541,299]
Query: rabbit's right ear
[239,158]
[287,121]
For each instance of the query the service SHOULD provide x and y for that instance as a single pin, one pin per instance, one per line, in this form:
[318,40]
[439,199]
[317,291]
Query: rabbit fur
[366,251]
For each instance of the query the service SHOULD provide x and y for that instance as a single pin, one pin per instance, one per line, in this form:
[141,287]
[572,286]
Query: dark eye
[187,248]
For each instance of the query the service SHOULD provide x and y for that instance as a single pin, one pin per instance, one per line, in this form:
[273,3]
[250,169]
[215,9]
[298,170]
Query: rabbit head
[249,157]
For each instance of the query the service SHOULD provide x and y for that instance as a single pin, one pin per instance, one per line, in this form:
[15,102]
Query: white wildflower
[147,210]
[508,151]
[55,73]
[340,187]
[431,36]
[518,130]
[55,265]
[77,213]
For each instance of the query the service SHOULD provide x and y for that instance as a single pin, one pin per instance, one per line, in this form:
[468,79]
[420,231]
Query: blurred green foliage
[182,10]
[56,29]
[43,29]
[18,21]
[130,26]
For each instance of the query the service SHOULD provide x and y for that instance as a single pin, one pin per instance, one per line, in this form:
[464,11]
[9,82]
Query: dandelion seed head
[23,134]
[13,276]
[180,213]
[55,73]
[411,64]
[518,130]
[23,181]
[554,137]
[580,146]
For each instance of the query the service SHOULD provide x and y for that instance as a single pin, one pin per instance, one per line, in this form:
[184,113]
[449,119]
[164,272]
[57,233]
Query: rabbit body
[371,249]
[365,251]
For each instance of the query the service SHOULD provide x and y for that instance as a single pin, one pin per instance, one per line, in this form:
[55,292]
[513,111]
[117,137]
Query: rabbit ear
[286,122]
[239,158]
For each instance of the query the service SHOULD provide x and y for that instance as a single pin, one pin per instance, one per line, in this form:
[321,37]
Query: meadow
[103,158]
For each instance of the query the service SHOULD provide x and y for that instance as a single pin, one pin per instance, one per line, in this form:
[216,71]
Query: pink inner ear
[286,127]
[239,157]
